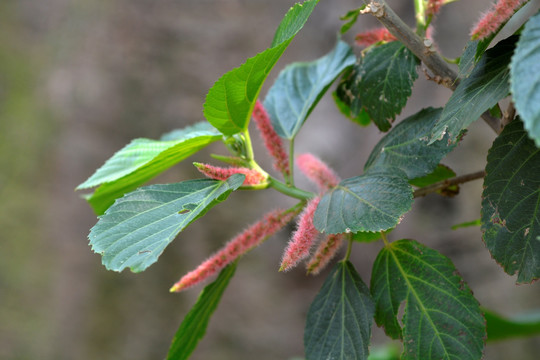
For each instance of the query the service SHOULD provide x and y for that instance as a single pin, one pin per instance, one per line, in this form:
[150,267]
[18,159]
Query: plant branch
[422,48]
[449,182]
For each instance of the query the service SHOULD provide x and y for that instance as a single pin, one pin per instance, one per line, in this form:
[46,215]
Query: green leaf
[482,89]
[441,172]
[143,159]
[511,203]
[347,97]
[375,201]
[466,224]
[339,319]
[351,17]
[193,328]
[300,86]
[406,146]
[525,77]
[442,319]
[230,101]
[385,81]
[136,229]
[366,236]
[467,59]
[502,328]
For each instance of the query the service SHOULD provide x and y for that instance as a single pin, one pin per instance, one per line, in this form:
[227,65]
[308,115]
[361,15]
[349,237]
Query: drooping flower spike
[271,139]
[245,241]
[253,177]
[326,251]
[317,171]
[302,239]
[370,37]
[493,19]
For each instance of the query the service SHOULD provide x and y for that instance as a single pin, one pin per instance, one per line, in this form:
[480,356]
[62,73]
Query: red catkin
[326,250]
[317,171]
[271,139]
[374,36]
[494,18]
[245,241]
[304,236]
[253,177]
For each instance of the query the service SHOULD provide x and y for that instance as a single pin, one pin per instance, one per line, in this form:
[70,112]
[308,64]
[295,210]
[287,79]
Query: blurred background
[80,78]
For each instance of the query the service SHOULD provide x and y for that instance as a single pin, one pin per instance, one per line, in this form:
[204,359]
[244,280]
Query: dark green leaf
[375,201]
[136,229]
[143,159]
[193,328]
[339,319]
[511,203]
[467,59]
[385,81]
[440,173]
[301,85]
[483,88]
[347,97]
[502,328]
[442,319]
[406,146]
[525,77]
[230,101]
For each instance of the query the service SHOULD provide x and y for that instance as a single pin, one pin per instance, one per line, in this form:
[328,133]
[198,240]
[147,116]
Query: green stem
[420,11]
[290,190]
[249,147]
[349,249]
[385,240]
[290,180]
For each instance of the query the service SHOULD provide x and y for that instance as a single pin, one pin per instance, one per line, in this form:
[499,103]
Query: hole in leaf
[401,313]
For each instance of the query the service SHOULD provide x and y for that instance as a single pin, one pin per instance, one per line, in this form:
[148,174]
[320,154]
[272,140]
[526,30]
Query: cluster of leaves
[440,318]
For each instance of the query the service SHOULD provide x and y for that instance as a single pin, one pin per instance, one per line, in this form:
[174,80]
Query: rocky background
[80,78]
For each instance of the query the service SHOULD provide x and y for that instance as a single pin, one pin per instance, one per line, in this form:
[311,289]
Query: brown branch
[449,182]
[422,48]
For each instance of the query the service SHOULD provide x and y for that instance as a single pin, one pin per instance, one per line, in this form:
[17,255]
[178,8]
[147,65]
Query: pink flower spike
[271,139]
[253,177]
[374,36]
[317,171]
[326,251]
[248,239]
[493,19]
[300,244]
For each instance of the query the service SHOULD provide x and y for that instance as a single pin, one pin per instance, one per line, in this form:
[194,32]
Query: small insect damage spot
[527,230]
[144,252]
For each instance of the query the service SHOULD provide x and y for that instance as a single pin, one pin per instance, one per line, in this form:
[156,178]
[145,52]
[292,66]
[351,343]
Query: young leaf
[375,201]
[301,85]
[230,101]
[385,81]
[339,319]
[351,17]
[143,159]
[442,319]
[483,88]
[525,77]
[193,328]
[406,146]
[441,172]
[136,229]
[511,203]
[502,328]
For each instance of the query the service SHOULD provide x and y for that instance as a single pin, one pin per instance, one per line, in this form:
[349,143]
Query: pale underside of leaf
[525,77]
[136,229]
